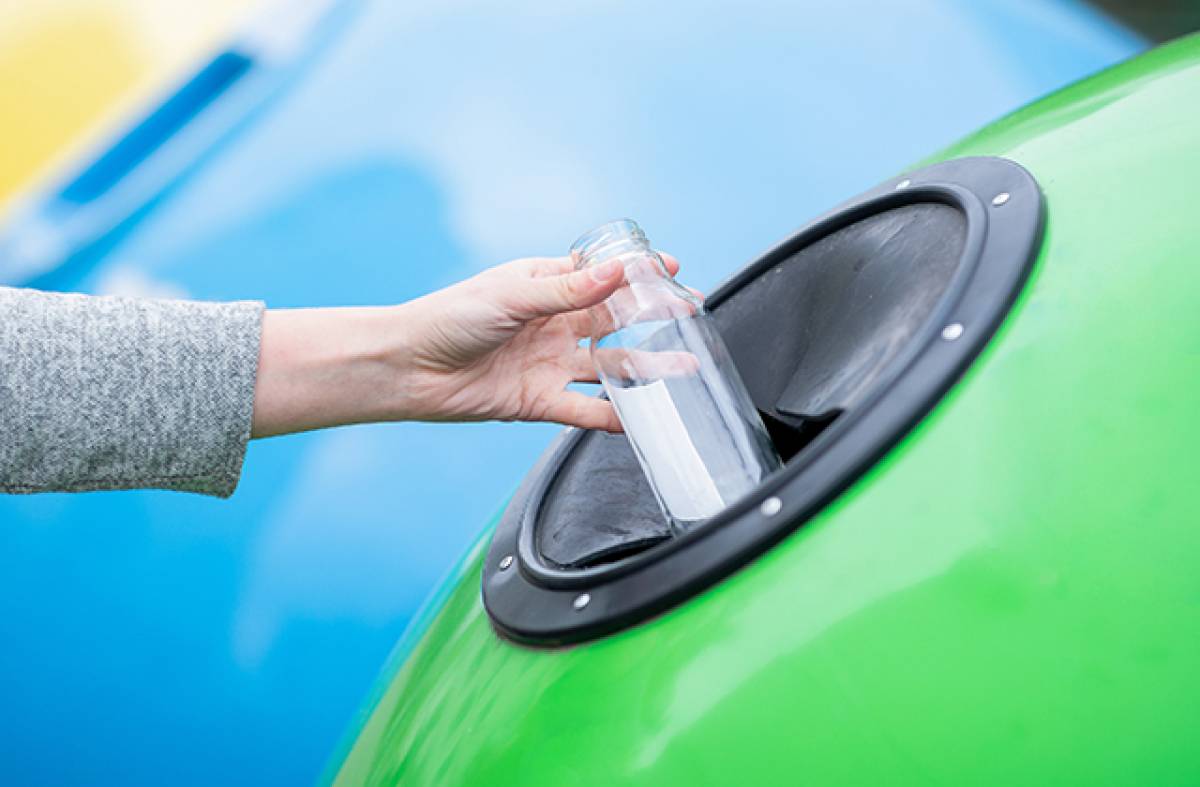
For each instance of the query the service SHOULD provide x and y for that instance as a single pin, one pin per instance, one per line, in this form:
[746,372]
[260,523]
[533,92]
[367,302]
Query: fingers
[670,261]
[581,367]
[554,287]
[547,266]
[587,412]
[554,266]
[529,299]
[644,365]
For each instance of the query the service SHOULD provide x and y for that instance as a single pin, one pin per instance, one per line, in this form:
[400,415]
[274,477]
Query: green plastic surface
[1012,596]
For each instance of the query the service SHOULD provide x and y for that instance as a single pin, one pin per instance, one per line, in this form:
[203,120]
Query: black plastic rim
[535,603]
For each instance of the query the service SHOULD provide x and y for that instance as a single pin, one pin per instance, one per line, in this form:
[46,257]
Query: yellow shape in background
[73,70]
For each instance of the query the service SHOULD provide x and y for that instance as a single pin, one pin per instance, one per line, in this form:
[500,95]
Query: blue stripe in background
[142,140]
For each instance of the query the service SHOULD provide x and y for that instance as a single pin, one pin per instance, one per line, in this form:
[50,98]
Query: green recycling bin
[979,563]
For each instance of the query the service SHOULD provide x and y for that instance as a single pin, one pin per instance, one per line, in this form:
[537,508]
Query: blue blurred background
[157,638]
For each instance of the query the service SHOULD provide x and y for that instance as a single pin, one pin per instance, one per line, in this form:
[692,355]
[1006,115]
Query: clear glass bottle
[696,434]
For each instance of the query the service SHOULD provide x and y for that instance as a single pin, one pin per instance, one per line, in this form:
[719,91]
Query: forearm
[329,367]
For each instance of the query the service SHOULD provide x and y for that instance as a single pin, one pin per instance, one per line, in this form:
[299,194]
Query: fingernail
[605,270]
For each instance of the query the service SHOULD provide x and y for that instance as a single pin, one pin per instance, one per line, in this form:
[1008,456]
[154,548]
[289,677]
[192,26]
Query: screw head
[581,601]
[952,331]
[1001,198]
[904,184]
[505,562]
[771,506]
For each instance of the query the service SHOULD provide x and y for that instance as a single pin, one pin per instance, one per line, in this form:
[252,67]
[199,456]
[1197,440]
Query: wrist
[388,362]
[330,367]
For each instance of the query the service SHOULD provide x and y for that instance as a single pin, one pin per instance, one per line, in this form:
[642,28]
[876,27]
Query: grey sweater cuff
[123,393]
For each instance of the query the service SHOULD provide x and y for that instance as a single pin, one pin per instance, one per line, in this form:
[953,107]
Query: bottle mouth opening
[604,236]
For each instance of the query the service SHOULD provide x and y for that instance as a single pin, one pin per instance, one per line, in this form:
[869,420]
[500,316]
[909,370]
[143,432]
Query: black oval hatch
[846,334]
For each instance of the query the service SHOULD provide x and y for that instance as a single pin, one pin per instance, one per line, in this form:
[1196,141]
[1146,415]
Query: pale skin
[502,345]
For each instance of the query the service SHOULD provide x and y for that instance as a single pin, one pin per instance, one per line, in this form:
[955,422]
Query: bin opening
[811,336]
[839,335]
[600,509]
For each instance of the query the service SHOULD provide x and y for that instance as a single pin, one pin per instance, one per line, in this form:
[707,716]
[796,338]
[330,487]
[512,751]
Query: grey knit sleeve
[100,392]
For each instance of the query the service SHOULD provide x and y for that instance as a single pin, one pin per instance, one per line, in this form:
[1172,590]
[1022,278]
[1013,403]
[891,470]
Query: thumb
[550,295]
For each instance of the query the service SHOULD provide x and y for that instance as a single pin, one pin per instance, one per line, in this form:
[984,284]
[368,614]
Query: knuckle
[573,287]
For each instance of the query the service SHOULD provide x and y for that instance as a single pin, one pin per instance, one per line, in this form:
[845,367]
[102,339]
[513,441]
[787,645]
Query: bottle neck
[609,241]
[648,290]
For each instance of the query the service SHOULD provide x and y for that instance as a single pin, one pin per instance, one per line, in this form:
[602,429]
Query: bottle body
[688,416]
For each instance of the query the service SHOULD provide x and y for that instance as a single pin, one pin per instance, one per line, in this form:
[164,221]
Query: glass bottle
[688,416]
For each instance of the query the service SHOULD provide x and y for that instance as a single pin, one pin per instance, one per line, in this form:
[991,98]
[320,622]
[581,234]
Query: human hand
[505,344]
[501,345]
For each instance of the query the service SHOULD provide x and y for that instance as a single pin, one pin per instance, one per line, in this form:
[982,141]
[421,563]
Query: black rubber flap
[599,507]
[841,309]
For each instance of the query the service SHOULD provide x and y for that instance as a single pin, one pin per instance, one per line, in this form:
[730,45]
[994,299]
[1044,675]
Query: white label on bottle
[669,455]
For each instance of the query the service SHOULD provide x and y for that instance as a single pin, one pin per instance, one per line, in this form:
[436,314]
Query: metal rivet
[1001,198]
[952,331]
[581,601]
[505,562]
[771,506]
[904,184]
